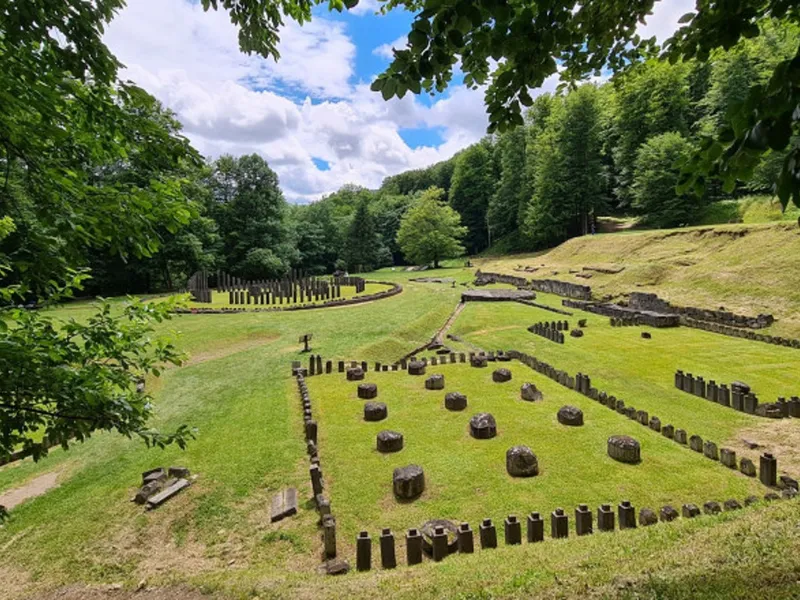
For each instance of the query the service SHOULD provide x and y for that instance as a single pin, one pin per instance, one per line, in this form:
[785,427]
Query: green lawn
[237,389]
[640,371]
[466,479]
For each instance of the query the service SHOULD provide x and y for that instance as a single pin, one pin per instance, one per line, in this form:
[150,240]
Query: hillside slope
[748,269]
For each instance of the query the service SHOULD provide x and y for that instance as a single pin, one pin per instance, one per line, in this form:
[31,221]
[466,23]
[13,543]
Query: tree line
[615,148]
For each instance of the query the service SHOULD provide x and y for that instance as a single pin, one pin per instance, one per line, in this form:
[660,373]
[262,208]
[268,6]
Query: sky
[311,115]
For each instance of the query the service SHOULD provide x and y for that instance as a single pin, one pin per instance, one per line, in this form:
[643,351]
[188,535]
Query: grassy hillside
[745,268]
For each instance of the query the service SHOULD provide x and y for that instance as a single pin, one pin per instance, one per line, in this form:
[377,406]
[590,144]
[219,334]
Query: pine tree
[581,149]
[568,183]
[362,244]
[545,223]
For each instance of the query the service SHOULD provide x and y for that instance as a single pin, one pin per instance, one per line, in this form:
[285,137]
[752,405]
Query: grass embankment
[216,536]
[748,269]
[750,209]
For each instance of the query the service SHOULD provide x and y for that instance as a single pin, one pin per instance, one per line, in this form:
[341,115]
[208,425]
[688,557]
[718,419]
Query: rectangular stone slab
[284,504]
[167,493]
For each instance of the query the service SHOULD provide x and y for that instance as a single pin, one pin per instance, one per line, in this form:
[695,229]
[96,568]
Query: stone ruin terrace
[466,479]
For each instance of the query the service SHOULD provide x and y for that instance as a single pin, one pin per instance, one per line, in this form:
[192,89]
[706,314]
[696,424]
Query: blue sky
[311,115]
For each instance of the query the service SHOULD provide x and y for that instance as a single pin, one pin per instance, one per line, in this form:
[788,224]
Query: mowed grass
[222,299]
[466,479]
[641,372]
[238,391]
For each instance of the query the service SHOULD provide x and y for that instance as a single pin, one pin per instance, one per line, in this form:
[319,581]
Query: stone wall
[482,278]
[739,332]
[321,501]
[395,289]
[548,286]
[736,396]
[496,295]
[440,539]
[553,331]
[651,302]
[562,288]
[615,311]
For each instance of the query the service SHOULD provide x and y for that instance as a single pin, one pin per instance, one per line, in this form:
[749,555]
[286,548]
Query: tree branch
[47,413]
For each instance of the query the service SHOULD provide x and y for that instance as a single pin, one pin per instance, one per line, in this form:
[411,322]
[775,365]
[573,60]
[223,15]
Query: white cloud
[664,20]
[310,104]
[307,105]
[365,7]
[387,50]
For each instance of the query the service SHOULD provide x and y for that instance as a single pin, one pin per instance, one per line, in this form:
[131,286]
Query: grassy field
[215,539]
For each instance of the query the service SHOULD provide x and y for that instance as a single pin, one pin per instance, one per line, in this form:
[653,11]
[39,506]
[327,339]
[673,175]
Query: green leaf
[687,18]
[715,151]
[388,89]
[455,38]
[504,78]
[780,132]
[417,39]
[473,13]
[423,25]
[729,185]
[425,68]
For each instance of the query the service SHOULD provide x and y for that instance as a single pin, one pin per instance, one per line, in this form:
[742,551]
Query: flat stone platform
[497,295]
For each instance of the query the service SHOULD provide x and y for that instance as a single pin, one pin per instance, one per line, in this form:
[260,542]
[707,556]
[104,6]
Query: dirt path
[35,487]
[440,335]
[248,343]
[780,437]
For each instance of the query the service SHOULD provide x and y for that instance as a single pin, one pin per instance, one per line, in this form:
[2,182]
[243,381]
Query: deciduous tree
[431,231]
[656,176]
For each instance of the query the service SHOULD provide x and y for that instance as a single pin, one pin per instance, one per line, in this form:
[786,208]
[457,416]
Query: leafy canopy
[89,163]
[64,380]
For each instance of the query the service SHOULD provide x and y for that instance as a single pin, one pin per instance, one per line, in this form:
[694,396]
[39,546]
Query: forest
[611,147]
